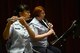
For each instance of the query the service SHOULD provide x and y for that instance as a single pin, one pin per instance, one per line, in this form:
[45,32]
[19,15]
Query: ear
[20,13]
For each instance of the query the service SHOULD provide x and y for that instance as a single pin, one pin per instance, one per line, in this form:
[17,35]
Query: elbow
[34,38]
[4,36]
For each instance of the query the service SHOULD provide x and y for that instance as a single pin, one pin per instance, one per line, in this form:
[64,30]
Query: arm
[40,36]
[6,32]
[36,36]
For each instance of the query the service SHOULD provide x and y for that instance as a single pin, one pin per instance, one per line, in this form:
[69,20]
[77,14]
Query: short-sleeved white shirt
[19,40]
[38,28]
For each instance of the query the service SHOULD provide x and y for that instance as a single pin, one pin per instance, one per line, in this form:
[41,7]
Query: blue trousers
[48,49]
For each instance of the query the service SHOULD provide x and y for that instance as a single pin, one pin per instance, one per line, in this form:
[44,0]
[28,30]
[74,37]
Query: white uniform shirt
[38,28]
[19,41]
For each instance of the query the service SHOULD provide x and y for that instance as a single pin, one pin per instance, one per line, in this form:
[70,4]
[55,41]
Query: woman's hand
[12,19]
[51,28]
[50,25]
[23,21]
[50,32]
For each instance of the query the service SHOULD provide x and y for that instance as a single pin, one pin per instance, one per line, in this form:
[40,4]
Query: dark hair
[20,8]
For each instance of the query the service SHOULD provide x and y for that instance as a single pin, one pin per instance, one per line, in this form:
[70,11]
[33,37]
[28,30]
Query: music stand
[71,28]
[76,31]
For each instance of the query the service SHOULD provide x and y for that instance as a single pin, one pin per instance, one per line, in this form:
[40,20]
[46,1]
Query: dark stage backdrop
[61,13]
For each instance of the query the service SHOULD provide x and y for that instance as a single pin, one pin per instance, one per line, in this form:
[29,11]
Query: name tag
[17,28]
